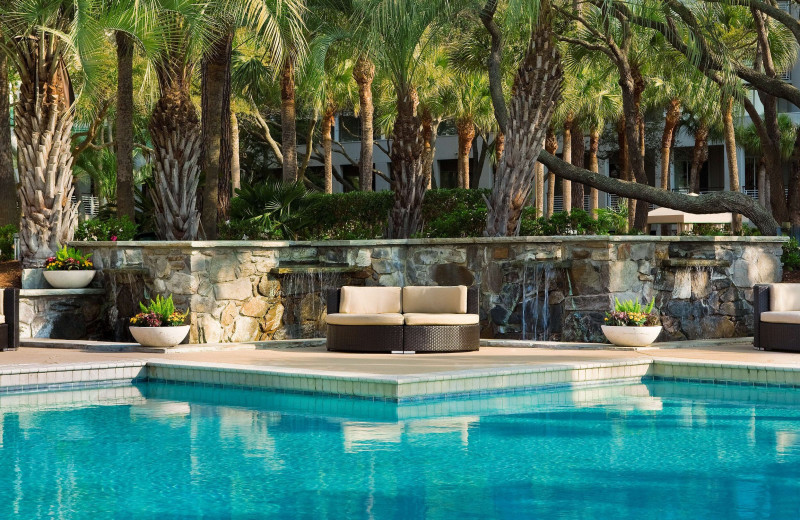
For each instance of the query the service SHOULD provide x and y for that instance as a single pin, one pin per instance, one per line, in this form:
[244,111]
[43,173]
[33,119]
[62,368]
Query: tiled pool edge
[42,378]
[395,388]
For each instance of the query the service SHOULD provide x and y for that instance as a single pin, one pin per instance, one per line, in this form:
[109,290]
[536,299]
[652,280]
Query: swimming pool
[650,450]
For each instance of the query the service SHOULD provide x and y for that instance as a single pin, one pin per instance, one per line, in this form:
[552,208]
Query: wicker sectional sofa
[407,319]
[9,319]
[776,316]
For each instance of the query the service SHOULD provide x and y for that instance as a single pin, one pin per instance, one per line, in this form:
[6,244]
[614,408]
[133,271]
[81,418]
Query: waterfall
[304,294]
[536,311]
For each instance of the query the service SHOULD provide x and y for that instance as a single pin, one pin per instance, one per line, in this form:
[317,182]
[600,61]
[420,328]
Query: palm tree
[9,213]
[399,30]
[473,109]
[174,123]
[40,39]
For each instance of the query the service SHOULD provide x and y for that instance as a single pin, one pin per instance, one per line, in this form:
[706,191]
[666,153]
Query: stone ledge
[40,293]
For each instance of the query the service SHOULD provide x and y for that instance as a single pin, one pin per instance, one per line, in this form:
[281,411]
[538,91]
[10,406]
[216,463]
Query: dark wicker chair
[403,338]
[361,338]
[445,338]
[772,336]
[9,331]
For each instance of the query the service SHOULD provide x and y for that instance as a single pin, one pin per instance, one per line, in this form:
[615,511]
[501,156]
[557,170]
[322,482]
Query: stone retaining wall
[533,287]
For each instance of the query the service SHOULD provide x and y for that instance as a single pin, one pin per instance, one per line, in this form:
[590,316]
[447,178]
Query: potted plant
[159,324]
[69,269]
[631,325]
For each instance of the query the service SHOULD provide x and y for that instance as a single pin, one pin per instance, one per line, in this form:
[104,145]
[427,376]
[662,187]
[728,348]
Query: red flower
[114,238]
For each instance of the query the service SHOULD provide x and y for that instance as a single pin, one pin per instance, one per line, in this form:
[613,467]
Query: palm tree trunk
[364,74]
[670,123]
[566,156]
[177,143]
[625,166]
[288,121]
[236,172]
[699,156]
[328,121]
[499,147]
[126,205]
[551,145]
[406,156]
[594,165]
[43,126]
[9,211]
[578,150]
[730,150]
[216,109]
[538,204]
[466,133]
[428,150]
[538,83]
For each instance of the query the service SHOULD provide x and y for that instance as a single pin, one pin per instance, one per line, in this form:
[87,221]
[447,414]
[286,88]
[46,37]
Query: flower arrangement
[69,260]
[160,312]
[630,313]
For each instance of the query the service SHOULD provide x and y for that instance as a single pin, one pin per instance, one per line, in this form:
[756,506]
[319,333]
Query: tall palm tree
[174,123]
[473,109]
[41,39]
[399,30]
[9,212]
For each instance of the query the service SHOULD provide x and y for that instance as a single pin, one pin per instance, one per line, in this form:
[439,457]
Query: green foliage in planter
[69,259]
[7,233]
[578,222]
[791,255]
[109,229]
[159,312]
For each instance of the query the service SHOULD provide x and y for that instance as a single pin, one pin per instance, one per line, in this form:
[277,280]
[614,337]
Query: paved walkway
[317,358]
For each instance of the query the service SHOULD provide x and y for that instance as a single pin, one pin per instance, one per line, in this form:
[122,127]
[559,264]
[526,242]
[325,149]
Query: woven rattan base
[441,338]
[365,338]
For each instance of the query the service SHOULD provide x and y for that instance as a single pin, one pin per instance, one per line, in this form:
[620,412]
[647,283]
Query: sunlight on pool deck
[317,358]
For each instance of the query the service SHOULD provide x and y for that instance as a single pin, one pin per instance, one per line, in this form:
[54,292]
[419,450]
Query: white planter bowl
[631,336]
[159,336]
[69,279]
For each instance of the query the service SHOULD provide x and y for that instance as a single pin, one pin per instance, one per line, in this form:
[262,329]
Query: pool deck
[311,369]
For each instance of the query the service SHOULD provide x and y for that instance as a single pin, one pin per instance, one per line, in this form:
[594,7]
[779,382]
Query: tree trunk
[43,127]
[551,145]
[427,152]
[670,123]
[466,133]
[126,205]
[625,166]
[539,189]
[538,84]
[9,212]
[177,142]
[699,156]
[594,166]
[288,121]
[216,107]
[709,203]
[328,120]
[499,147]
[406,156]
[763,199]
[730,150]
[578,150]
[236,172]
[566,156]
[364,74]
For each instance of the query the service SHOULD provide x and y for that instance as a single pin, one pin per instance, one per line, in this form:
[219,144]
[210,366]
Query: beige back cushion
[370,300]
[784,297]
[435,300]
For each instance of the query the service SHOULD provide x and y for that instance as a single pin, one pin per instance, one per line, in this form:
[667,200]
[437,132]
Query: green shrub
[458,223]
[578,222]
[356,215]
[791,255]
[277,210]
[7,233]
[109,229]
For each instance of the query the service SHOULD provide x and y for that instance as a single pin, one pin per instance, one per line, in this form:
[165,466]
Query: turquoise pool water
[645,451]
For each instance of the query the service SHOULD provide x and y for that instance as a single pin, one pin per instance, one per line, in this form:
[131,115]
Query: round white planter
[69,279]
[631,336]
[159,336]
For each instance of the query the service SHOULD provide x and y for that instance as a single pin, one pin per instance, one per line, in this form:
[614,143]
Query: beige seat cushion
[365,319]
[2,319]
[784,297]
[414,318]
[371,300]
[437,299]
[781,317]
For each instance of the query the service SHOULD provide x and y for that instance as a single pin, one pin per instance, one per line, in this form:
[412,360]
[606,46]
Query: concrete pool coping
[312,370]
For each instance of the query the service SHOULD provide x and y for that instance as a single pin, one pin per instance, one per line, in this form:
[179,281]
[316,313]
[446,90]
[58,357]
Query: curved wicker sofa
[411,319]
[776,316]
